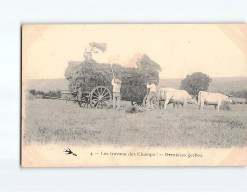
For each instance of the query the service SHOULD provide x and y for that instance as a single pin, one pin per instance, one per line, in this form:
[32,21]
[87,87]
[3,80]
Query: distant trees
[32,91]
[35,93]
[52,93]
[239,94]
[42,94]
[195,82]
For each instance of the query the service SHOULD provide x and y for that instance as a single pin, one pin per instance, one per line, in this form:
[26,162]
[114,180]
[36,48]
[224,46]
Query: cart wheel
[84,102]
[100,97]
[155,101]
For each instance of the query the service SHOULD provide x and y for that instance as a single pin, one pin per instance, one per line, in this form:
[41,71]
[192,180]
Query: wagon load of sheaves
[89,74]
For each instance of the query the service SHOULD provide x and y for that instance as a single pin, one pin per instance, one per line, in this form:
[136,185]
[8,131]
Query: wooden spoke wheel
[155,101]
[100,97]
[84,102]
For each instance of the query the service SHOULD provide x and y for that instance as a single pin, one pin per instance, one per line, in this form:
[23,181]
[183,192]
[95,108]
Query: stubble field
[49,121]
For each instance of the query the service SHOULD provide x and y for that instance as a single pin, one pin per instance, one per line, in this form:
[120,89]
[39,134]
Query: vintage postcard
[134,95]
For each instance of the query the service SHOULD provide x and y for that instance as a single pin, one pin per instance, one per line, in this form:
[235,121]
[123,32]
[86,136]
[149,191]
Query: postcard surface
[134,95]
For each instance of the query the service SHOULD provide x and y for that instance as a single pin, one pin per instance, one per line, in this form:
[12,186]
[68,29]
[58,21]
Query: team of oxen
[182,97]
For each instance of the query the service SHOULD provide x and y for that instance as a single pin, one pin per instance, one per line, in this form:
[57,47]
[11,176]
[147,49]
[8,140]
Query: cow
[215,99]
[175,96]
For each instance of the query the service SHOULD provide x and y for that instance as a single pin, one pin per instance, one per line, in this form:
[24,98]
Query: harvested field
[56,121]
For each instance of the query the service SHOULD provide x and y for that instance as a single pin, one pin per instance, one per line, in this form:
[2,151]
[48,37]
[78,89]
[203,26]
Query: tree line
[43,95]
[193,83]
[239,94]
[199,81]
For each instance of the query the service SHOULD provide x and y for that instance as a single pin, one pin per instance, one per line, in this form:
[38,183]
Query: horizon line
[160,78]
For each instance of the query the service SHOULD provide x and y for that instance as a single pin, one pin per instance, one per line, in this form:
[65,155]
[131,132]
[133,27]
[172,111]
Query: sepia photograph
[96,95]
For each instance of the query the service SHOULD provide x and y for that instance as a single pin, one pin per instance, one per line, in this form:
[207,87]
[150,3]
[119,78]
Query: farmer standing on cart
[116,83]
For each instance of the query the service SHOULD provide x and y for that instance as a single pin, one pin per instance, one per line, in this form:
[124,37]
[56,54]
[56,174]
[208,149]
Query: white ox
[215,99]
[175,96]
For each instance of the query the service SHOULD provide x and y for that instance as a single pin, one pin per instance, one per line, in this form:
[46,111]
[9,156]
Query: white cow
[175,96]
[215,99]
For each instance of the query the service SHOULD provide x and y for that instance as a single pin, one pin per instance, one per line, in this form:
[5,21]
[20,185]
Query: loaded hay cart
[94,81]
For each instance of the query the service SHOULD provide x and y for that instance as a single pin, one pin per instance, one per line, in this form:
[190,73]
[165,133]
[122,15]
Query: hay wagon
[94,80]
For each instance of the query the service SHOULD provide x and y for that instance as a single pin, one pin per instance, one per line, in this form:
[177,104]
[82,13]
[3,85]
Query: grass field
[57,121]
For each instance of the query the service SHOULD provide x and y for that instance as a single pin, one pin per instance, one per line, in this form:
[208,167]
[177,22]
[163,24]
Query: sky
[218,50]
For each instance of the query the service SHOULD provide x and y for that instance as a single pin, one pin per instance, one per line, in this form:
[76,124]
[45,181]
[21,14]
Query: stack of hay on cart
[90,74]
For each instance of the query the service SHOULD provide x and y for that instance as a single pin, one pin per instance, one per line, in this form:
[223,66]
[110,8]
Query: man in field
[79,93]
[152,91]
[116,83]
